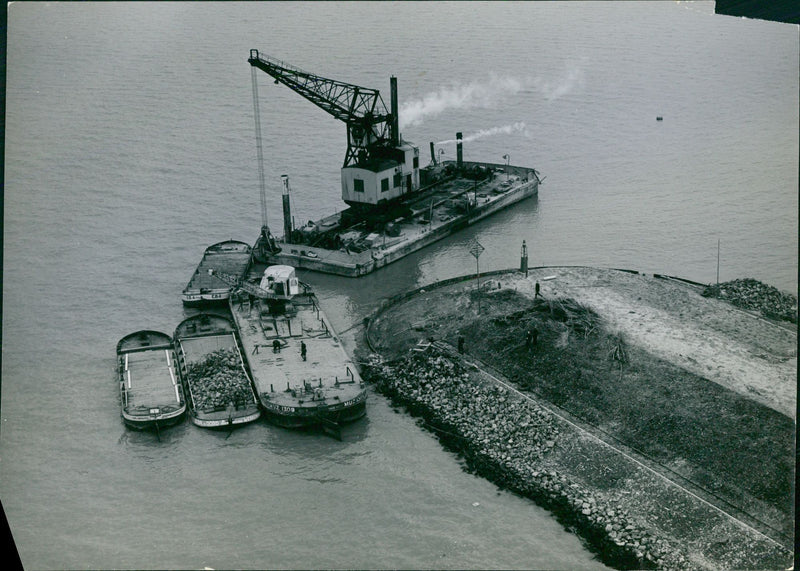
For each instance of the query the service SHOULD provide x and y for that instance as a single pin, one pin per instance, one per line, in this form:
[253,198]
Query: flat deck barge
[442,208]
[214,374]
[150,393]
[230,256]
[302,374]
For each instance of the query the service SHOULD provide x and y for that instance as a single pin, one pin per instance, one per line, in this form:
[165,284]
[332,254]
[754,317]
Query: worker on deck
[303,350]
[276,346]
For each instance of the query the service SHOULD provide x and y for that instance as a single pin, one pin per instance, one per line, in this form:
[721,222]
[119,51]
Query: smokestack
[395,127]
[287,211]
[433,155]
[459,152]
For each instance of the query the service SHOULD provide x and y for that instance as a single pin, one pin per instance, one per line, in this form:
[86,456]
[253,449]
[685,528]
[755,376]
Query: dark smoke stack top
[395,128]
[459,152]
[433,155]
[287,211]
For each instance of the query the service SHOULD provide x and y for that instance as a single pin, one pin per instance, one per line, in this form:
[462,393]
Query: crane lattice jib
[363,109]
[243,285]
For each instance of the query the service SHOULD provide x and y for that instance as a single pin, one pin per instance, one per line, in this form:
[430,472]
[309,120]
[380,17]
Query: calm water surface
[129,149]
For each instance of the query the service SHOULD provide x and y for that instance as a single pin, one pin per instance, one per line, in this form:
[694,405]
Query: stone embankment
[218,380]
[752,294]
[503,437]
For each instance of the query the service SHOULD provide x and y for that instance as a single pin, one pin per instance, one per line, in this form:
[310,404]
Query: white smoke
[568,82]
[470,96]
[482,95]
[518,127]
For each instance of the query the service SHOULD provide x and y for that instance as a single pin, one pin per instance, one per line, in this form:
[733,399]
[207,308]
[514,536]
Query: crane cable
[259,150]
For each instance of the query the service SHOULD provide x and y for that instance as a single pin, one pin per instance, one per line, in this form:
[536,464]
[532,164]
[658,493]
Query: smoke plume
[518,127]
[486,94]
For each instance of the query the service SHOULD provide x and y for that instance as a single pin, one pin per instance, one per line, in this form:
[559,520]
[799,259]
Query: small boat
[230,256]
[150,394]
[217,382]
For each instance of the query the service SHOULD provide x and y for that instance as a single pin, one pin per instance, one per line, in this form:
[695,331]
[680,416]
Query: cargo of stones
[218,380]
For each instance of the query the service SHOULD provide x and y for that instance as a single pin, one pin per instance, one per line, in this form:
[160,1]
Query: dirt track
[729,346]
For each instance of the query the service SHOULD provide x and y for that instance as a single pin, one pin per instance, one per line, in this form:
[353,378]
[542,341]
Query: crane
[370,126]
[379,166]
[235,282]
[279,283]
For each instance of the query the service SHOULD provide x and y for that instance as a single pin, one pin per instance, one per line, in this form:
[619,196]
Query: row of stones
[503,437]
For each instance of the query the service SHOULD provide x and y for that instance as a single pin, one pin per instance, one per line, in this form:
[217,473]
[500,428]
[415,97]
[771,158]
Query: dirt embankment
[690,392]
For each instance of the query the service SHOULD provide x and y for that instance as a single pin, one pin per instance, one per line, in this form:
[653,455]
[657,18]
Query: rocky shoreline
[502,437]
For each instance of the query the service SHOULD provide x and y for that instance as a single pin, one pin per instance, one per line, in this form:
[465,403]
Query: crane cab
[382,178]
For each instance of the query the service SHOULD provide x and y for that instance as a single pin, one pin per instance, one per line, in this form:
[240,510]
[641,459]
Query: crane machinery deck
[394,206]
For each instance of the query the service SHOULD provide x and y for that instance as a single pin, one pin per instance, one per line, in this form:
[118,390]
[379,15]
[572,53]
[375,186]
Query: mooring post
[523,259]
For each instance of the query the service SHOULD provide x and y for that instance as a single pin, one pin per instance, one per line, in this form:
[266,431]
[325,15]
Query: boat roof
[279,272]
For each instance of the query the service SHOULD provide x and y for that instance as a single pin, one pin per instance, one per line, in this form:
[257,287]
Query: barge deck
[442,208]
[302,374]
[150,394]
[230,256]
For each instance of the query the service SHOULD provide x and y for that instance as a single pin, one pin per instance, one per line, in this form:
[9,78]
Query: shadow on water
[163,439]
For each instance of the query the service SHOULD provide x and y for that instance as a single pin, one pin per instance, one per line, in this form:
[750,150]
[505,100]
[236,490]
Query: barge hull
[356,265]
[321,389]
[231,257]
[197,339]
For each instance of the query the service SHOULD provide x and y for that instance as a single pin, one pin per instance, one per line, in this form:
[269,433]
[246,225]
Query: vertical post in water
[717,262]
[259,151]
[523,259]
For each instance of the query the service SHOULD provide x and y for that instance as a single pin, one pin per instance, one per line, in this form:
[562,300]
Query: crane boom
[370,126]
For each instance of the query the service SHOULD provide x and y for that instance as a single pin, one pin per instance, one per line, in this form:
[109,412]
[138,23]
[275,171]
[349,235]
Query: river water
[129,149]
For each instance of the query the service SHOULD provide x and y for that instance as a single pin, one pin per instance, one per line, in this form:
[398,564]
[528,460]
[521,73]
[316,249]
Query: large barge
[217,381]
[394,206]
[436,211]
[302,374]
[150,394]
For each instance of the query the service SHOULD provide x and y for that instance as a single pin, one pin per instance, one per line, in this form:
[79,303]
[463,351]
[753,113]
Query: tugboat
[150,394]
[218,384]
[302,374]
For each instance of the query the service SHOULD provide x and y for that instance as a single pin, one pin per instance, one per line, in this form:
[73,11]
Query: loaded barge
[150,394]
[394,206]
[214,374]
[302,374]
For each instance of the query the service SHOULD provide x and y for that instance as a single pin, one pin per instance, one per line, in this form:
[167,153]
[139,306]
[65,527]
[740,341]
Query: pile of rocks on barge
[754,295]
[502,437]
[218,380]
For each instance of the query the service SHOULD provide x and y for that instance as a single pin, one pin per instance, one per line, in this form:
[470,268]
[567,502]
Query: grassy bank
[669,414]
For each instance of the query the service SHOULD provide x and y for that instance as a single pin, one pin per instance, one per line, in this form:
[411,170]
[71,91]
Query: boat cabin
[281,281]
